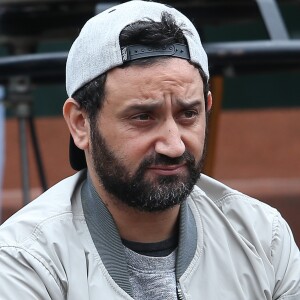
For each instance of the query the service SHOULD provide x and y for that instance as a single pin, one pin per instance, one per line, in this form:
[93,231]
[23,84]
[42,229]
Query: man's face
[147,147]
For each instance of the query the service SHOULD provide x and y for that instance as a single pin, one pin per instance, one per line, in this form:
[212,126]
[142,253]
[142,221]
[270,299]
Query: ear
[209,101]
[77,122]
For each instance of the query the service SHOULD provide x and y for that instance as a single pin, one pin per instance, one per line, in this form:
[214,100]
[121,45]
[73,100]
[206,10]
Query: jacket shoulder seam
[219,201]
[37,229]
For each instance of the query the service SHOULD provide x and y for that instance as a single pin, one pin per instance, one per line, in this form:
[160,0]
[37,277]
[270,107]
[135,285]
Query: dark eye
[142,117]
[190,114]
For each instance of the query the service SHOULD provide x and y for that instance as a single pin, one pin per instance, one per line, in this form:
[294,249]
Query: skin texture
[151,110]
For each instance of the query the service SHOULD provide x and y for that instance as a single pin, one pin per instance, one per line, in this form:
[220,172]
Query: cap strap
[140,51]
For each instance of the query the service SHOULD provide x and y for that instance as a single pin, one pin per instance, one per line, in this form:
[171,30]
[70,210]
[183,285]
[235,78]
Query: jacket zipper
[179,292]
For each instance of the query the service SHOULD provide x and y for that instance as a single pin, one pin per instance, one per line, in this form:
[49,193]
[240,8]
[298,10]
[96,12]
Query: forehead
[174,76]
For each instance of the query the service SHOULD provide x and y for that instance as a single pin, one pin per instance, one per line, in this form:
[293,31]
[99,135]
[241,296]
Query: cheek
[194,140]
[130,147]
[137,147]
[126,140]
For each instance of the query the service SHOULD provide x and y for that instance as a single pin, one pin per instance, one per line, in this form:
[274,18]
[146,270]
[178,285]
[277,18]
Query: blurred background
[254,54]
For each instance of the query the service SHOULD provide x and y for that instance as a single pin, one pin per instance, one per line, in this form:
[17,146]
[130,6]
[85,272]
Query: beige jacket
[244,250]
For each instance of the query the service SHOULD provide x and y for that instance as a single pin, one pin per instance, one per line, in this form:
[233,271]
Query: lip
[167,169]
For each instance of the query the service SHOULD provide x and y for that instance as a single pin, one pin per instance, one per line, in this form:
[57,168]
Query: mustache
[160,159]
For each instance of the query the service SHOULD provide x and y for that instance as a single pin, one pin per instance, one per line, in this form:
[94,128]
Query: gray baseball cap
[97,49]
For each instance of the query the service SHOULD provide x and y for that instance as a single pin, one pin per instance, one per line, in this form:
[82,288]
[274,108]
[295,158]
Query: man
[132,224]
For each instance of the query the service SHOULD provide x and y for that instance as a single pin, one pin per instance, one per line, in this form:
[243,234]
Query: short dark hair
[145,32]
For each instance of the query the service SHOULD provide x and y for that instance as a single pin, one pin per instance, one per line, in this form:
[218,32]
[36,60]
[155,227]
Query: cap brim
[76,156]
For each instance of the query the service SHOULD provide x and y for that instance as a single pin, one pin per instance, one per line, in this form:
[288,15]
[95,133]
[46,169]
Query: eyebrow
[189,103]
[151,106]
[143,106]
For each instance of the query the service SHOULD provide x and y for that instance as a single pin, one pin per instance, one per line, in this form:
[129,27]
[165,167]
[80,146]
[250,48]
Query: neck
[145,227]
[138,226]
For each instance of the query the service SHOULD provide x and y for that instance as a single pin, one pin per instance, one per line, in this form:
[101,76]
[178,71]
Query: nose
[169,140]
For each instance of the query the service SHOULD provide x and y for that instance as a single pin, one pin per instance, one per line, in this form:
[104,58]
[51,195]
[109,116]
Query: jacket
[230,247]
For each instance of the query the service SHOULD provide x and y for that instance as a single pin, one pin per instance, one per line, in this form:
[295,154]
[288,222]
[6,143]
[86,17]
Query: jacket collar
[108,243]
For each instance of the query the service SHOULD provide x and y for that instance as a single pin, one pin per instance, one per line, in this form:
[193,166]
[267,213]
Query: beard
[135,190]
